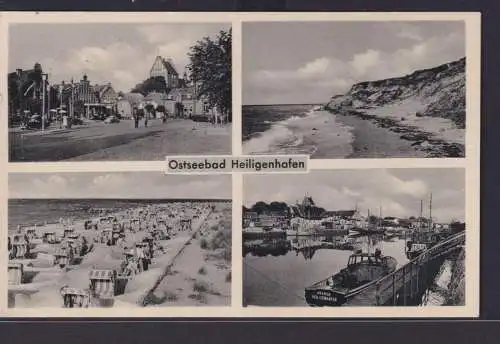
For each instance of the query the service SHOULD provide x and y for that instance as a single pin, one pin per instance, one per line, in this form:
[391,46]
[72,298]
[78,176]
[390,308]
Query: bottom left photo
[135,239]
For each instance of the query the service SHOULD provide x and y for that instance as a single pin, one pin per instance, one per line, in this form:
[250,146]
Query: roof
[101,274]
[169,66]
[73,291]
[341,213]
[61,253]
[13,265]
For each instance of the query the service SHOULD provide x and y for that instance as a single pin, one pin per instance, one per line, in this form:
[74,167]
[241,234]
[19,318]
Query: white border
[471,163]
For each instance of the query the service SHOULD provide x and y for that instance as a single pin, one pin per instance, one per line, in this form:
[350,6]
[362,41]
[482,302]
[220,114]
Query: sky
[142,185]
[308,62]
[118,53]
[397,191]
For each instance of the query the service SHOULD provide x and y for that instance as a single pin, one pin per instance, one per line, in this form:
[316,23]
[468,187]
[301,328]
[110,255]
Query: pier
[407,285]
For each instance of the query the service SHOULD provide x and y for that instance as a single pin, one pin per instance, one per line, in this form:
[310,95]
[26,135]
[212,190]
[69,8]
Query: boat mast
[430,213]
[420,216]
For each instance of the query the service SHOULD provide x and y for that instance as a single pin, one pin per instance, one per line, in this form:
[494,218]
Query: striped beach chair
[50,237]
[75,297]
[102,283]
[61,257]
[19,250]
[15,273]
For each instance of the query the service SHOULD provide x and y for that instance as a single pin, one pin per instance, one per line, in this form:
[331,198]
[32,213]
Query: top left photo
[118,91]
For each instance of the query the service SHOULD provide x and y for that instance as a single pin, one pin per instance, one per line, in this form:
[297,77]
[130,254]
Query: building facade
[181,96]
[165,68]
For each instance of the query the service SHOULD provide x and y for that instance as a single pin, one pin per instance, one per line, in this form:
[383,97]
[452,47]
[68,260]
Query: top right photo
[355,89]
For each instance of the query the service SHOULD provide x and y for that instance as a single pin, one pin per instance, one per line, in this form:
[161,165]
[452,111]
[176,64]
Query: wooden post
[404,285]
[394,299]
[411,281]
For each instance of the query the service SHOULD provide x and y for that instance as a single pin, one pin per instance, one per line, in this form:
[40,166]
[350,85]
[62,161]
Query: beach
[173,225]
[364,133]
[120,141]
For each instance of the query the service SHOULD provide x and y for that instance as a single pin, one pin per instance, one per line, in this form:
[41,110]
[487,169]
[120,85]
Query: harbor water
[276,271]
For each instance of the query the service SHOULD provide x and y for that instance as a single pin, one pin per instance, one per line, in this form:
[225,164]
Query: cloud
[361,63]
[410,32]
[319,78]
[118,185]
[396,192]
[120,54]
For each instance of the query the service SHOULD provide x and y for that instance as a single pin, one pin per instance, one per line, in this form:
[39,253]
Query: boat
[367,229]
[423,237]
[361,269]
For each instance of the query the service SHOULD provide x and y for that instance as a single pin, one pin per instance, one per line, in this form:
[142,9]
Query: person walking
[146,119]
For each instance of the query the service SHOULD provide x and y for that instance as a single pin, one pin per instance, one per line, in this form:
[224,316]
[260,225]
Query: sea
[275,272]
[38,211]
[294,129]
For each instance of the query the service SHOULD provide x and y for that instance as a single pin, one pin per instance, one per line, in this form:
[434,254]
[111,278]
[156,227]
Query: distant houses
[177,96]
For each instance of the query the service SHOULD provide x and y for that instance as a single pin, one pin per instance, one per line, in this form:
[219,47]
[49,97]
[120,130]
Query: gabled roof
[169,66]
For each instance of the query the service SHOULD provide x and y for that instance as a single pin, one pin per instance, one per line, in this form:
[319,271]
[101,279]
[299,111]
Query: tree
[210,68]
[154,84]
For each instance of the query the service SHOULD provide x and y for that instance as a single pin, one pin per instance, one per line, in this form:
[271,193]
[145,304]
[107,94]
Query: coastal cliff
[440,92]
[426,107]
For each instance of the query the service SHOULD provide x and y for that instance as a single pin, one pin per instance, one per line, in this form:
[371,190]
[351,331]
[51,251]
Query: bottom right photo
[361,237]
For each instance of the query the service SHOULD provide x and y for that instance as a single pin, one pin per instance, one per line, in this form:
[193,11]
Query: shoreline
[42,289]
[424,143]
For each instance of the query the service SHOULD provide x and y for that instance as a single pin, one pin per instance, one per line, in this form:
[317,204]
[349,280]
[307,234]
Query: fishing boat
[423,237]
[361,269]
[366,228]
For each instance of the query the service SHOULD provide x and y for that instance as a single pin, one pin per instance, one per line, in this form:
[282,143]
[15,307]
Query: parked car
[111,119]
[99,117]
[35,122]
[77,121]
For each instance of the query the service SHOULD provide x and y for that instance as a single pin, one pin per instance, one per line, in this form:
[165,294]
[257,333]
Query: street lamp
[44,85]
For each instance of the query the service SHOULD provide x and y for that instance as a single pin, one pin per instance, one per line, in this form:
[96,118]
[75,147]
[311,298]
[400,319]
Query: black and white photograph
[367,237]
[354,89]
[118,91]
[129,240]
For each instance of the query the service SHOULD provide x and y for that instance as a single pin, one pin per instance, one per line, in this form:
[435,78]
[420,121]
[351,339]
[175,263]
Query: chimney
[19,71]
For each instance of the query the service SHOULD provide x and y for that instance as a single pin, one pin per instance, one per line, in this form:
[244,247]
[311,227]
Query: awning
[101,274]
[73,291]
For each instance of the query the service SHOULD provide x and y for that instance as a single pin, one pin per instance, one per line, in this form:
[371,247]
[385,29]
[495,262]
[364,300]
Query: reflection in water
[307,245]
[276,271]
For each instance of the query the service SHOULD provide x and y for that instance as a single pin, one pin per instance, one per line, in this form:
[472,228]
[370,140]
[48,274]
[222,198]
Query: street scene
[118,91]
[119,240]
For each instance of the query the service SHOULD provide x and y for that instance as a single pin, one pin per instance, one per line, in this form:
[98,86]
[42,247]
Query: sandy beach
[175,224]
[120,141]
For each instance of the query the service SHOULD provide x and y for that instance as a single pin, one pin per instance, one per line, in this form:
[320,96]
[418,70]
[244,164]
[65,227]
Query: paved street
[119,141]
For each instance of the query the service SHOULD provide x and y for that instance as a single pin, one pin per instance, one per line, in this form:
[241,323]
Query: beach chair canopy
[104,275]
[73,291]
[61,253]
[13,265]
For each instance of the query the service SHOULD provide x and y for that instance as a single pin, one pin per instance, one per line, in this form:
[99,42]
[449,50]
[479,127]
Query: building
[25,90]
[181,93]
[165,68]
[84,99]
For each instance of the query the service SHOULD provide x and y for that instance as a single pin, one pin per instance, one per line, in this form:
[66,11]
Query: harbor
[304,255]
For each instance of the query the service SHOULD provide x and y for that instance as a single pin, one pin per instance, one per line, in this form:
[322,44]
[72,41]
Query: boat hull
[331,292]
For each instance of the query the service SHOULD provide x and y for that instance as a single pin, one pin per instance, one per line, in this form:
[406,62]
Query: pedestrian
[136,121]
[146,120]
